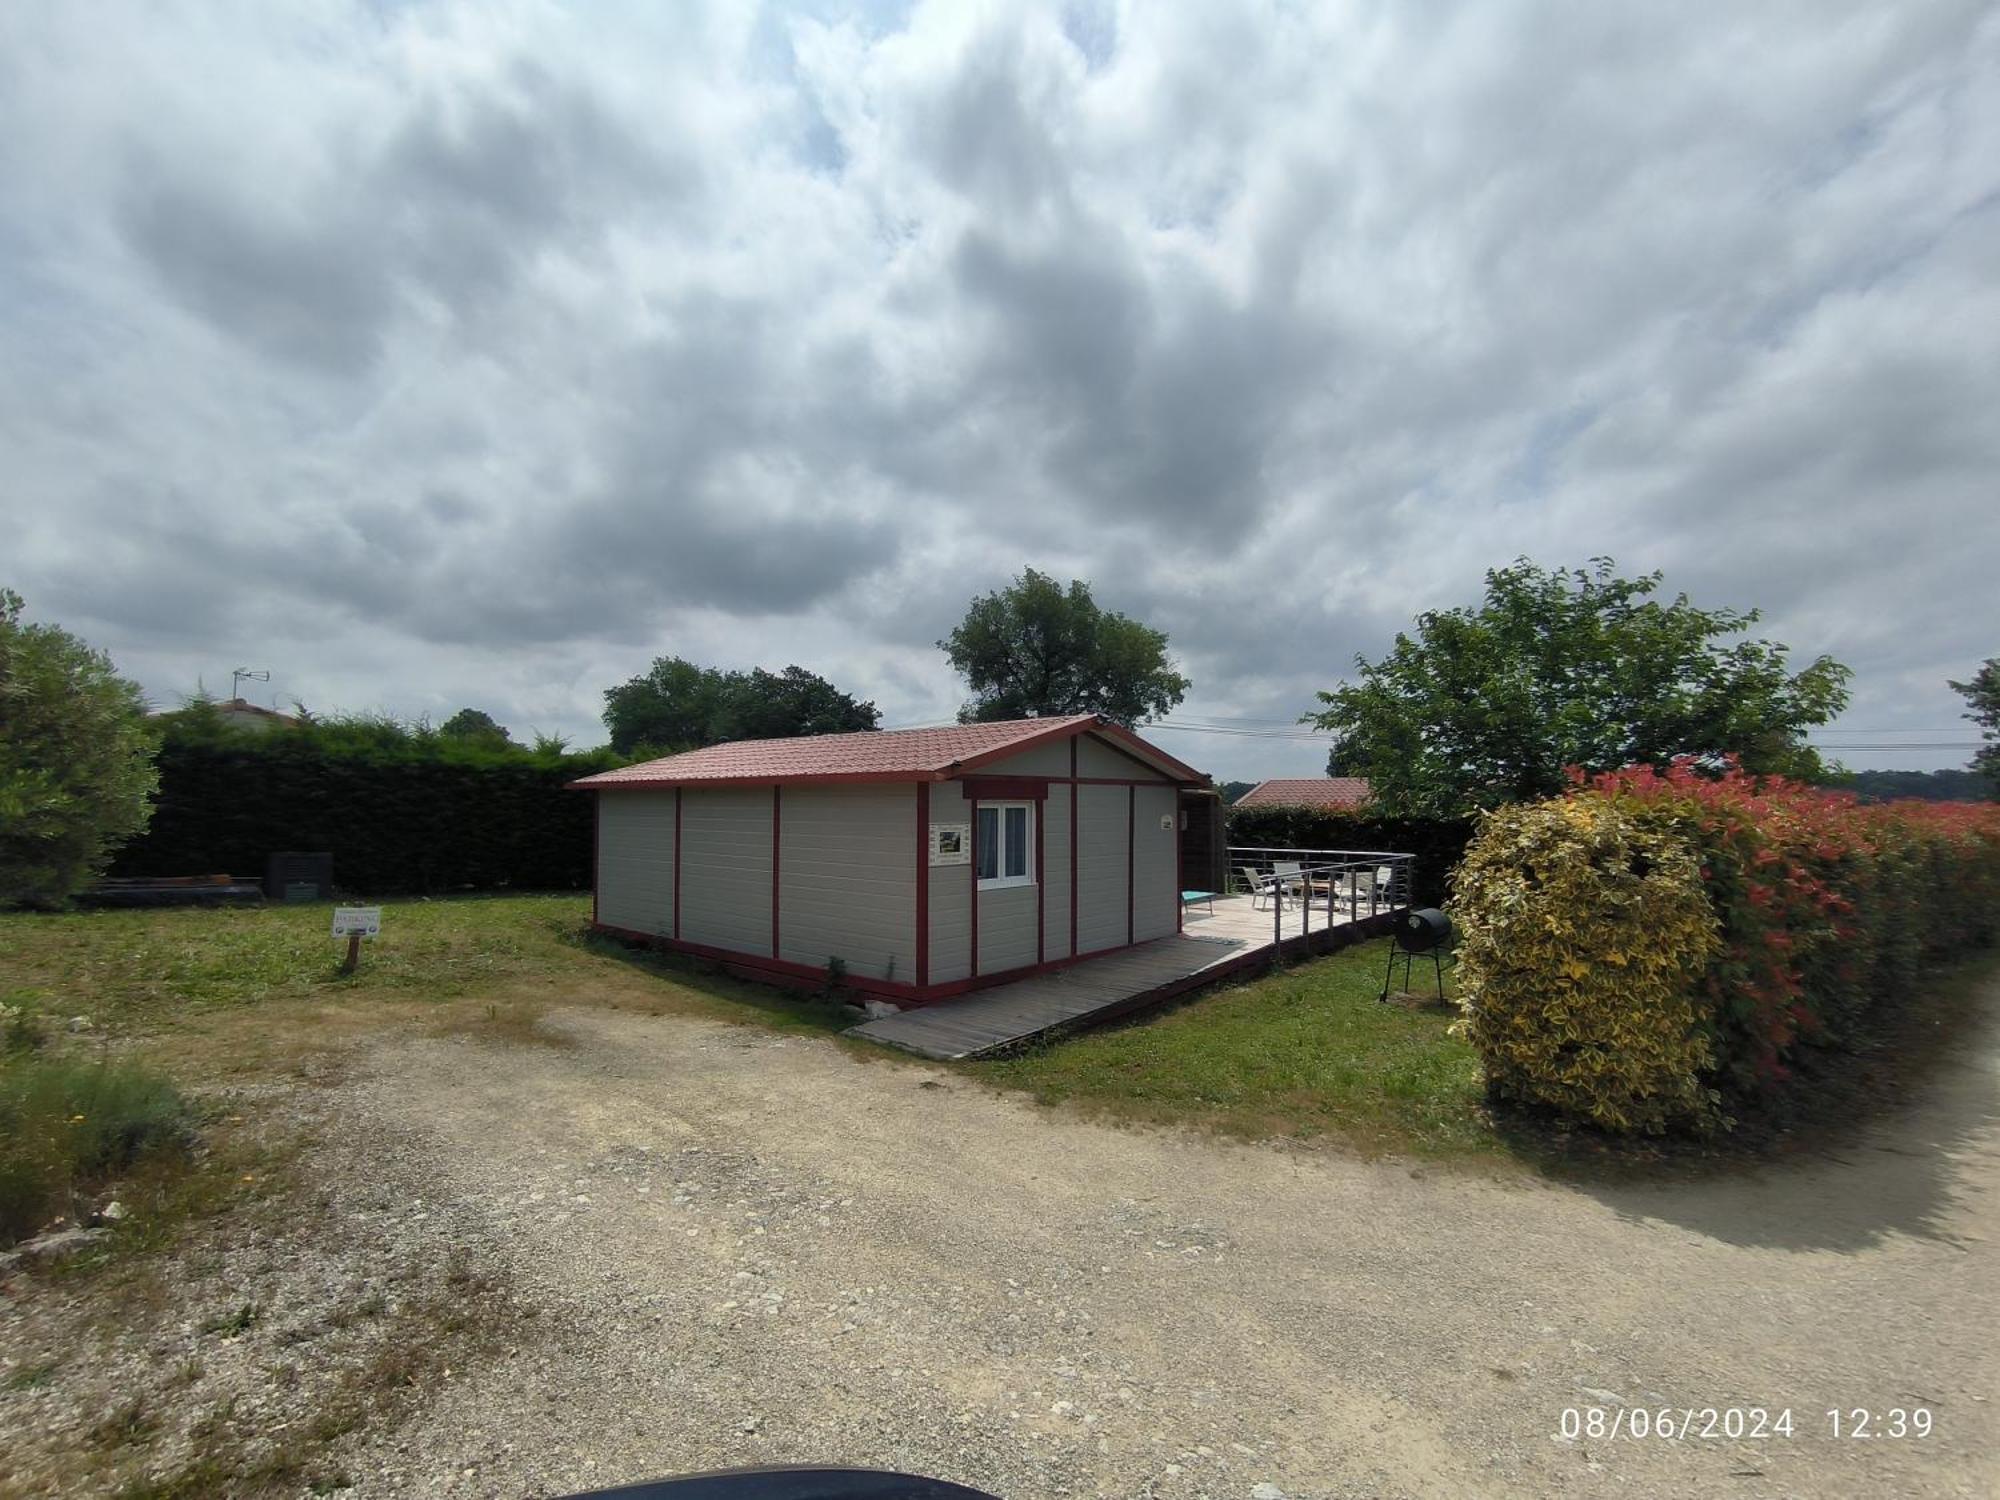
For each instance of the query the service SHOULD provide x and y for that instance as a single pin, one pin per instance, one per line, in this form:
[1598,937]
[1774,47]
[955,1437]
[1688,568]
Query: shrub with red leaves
[1828,906]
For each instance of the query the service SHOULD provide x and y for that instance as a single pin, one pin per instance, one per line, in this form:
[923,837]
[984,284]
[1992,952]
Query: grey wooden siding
[1055,847]
[1155,880]
[726,868]
[1006,928]
[1038,760]
[635,861]
[951,906]
[1102,812]
[847,872]
[1096,758]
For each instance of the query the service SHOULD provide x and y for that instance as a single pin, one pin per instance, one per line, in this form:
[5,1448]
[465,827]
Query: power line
[1294,732]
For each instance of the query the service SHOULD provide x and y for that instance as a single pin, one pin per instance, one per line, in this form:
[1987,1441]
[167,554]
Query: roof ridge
[931,753]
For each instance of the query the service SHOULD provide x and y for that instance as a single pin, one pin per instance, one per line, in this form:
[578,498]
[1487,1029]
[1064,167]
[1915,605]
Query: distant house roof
[1338,793]
[876,755]
[237,713]
[240,706]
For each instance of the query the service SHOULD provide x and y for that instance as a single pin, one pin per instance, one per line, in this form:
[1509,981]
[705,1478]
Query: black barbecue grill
[1422,930]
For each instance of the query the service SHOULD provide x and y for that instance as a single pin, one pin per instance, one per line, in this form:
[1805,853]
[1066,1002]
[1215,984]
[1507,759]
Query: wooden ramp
[1213,947]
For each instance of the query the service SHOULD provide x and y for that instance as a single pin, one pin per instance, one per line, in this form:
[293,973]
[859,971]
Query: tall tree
[778,705]
[76,761]
[675,705]
[1921,786]
[477,727]
[1982,697]
[1032,650]
[1341,761]
[1570,668]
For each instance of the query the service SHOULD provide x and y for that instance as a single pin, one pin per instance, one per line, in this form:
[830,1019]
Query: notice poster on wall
[951,843]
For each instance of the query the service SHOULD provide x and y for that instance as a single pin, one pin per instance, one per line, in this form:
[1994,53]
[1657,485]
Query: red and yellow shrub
[1825,908]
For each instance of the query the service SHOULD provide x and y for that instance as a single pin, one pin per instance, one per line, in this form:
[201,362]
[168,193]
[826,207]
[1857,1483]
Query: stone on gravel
[52,1246]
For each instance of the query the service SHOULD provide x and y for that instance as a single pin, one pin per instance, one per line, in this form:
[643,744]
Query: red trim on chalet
[1180,911]
[972,881]
[1071,728]
[1005,788]
[923,884]
[757,966]
[777,793]
[1058,729]
[1041,887]
[1075,798]
[1141,750]
[677,861]
[805,976]
[1131,854]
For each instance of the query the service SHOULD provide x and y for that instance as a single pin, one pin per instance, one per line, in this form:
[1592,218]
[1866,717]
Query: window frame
[1000,880]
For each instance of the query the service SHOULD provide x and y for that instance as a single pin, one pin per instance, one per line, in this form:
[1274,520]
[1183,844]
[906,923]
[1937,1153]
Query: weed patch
[67,1127]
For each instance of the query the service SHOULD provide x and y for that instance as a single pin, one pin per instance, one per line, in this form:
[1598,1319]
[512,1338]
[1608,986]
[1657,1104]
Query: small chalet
[926,861]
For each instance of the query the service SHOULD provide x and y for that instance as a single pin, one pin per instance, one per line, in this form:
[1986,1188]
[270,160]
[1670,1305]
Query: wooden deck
[1212,947]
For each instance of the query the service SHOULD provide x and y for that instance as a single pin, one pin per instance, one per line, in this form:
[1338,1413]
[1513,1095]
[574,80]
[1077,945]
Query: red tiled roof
[1338,792]
[873,755]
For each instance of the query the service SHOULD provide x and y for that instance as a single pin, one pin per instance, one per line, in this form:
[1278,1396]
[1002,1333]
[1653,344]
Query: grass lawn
[150,975]
[104,1013]
[1307,1052]
[214,996]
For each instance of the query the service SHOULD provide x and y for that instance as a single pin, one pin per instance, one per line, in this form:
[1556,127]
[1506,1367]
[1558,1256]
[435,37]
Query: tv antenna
[242,674]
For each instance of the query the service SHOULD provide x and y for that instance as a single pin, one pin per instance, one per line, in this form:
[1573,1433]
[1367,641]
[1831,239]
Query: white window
[1003,841]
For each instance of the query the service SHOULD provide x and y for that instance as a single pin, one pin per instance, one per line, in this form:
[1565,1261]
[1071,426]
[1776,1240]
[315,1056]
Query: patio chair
[1262,887]
[1354,887]
[1291,878]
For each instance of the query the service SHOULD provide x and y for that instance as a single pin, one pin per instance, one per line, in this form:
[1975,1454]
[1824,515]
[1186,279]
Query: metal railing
[1358,882]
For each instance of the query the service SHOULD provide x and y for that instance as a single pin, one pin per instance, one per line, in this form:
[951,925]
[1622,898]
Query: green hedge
[1438,844]
[395,823]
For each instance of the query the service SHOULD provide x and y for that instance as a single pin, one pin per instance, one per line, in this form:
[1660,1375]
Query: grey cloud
[986,142]
[456,203]
[307,294]
[477,182]
[549,338]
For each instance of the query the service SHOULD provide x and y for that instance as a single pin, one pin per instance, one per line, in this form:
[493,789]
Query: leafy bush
[1825,911]
[1585,930]
[67,1127]
[75,761]
[1438,844]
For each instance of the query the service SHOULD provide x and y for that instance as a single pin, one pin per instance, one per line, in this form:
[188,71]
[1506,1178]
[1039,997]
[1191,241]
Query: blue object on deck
[1188,898]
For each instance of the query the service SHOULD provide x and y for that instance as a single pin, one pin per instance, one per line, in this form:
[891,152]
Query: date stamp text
[1708,1424]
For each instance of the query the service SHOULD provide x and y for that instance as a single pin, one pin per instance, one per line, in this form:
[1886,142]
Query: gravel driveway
[753,1248]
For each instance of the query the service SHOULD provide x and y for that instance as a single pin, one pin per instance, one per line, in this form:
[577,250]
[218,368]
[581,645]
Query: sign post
[355,923]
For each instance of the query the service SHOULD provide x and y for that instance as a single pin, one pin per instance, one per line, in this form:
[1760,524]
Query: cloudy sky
[429,355]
